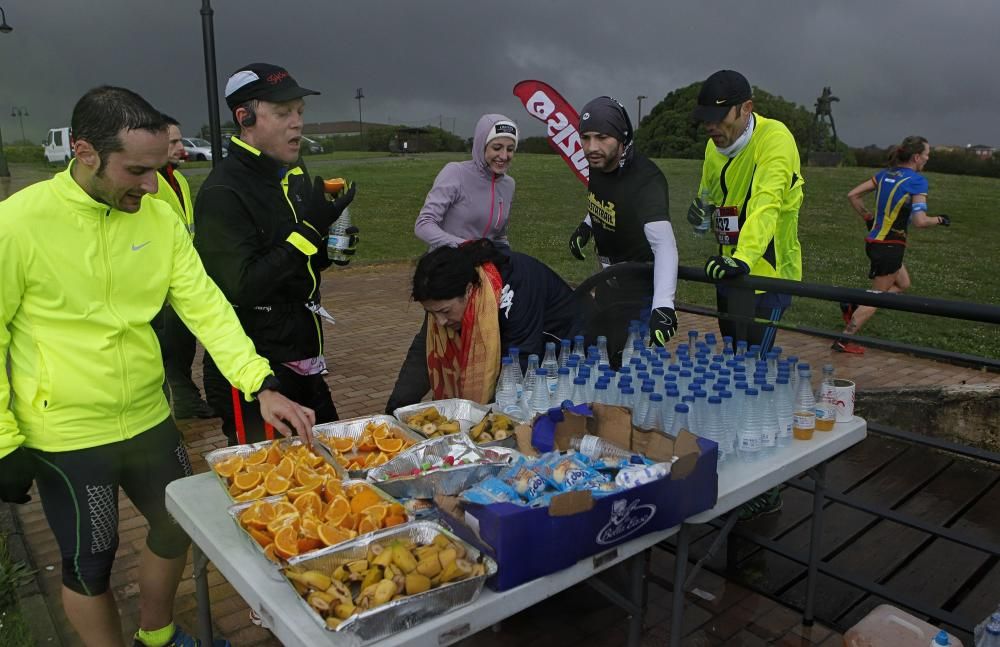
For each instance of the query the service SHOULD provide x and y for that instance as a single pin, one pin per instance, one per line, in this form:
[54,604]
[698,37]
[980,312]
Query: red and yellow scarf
[466,363]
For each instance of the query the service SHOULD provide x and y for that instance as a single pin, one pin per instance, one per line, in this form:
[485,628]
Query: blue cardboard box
[532,542]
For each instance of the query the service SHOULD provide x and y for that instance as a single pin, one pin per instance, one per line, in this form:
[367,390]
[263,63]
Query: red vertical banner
[561,120]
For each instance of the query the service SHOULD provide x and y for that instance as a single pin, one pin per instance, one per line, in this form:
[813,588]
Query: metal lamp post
[4,29]
[211,81]
[361,124]
[640,98]
[20,112]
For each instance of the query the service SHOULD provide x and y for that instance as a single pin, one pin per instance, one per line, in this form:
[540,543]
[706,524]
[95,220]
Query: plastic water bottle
[680,420]
[564,352]
[564,386]
[751,436]
[515,356]
[670,399]
[579,347]
[653,417]
[941,639]
[551,366]
[987,633]
[580,393]
[339,240]
[804,416]
[597,447]
[712,428]
[641,405]
[602,350]
[601,392]
[826,408]
[769,420]
[626,397]
[539,402]
[699,229]
[629,349]
[728,424]
[506,396]
[784,408]
[530,378]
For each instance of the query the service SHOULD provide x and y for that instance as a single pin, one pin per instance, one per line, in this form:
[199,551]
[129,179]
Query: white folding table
[199,505]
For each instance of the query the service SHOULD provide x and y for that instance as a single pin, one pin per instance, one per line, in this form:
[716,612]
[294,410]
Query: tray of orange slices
[331,512]
[251,472]
[360,444]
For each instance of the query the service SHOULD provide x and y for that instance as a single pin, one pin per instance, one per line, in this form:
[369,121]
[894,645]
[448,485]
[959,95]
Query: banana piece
[430,566]
[479,428]
[373,575]
[423,552]
[447,557]
[358,566]
[332,623]
[320,601]
[403,558]
[383,592]
[457,570]
[441,541]
[417,583]
[500,434]
[384,558]
[340,574]
[317,580]
[449,427]
[345,610]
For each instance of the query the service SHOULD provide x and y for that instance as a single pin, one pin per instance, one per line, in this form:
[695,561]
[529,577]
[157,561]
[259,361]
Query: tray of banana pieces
[443,417]
[390,581]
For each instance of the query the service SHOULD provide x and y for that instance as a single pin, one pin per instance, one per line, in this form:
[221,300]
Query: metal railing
[915,304]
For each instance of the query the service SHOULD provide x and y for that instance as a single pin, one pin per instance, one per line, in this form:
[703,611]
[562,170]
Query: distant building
[982,151]
[338,128]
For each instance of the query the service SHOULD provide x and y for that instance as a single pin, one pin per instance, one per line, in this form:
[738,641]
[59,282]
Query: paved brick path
[375,323]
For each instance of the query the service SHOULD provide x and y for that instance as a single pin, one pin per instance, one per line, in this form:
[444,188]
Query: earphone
[250,118]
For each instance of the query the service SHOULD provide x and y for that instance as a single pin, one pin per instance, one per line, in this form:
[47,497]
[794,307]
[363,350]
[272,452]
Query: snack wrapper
[525,481]
[567,473]
[491,490]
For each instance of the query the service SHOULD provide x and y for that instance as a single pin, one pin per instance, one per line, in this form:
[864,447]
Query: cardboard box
[532,542]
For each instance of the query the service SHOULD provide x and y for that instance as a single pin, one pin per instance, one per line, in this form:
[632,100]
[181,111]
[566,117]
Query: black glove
[578,241]
[322,212]
[944,221]
[699,214]
[725,267]
[16,475]
[352,245]
[662,325]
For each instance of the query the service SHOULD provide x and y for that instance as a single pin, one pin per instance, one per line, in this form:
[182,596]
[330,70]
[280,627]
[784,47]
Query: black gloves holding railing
[662,325]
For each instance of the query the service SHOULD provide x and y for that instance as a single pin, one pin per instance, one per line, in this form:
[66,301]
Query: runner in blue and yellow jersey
[900,198]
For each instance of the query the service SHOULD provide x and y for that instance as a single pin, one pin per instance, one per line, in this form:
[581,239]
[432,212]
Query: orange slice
[307,477]
[290,520]
[339,508]
[353,489]
[274,453]
[281,508]
[276,483]
[397,509]
[247,480]
[391,445]
[251,495]
[380,431]
[333,489]
[367,525]
[312,460]
[261,537]
[330,534]
[377,513]
[349,522]
[307,544]
[263,515]
[234,491]
[364,499]
[286,542]
[263,468]
[310,527]
[228,467]
[380,459]
[269,552]
[286,467]
[257,457]
[309,503]
[393,520]
[342,445]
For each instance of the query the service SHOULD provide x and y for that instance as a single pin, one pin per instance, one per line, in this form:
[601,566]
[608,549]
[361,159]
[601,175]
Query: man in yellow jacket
[750,194]
[86,262]
[176,341]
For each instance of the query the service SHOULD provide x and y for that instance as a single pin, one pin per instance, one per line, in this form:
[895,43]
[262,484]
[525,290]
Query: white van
[57,146]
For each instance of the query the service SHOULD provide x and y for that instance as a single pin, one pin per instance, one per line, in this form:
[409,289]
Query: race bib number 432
[726,225]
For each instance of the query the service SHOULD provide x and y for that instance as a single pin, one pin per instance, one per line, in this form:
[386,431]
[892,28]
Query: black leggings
[79,491]
[746,304]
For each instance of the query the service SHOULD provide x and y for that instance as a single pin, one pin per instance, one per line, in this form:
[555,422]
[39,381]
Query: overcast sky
[899,67]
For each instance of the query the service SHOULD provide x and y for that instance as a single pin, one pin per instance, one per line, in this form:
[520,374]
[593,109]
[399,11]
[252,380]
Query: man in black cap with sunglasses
[751,172]
[628,215]
[262,226]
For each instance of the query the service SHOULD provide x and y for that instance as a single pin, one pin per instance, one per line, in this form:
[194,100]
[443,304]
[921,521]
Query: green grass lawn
[950,263]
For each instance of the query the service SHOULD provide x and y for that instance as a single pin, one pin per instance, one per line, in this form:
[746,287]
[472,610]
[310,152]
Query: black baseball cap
[262,81]
[719,93]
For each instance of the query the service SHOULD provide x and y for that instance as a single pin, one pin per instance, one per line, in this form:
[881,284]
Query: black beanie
[606,115]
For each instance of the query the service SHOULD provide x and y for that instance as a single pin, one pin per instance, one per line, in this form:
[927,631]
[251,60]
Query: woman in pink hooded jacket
[471,200]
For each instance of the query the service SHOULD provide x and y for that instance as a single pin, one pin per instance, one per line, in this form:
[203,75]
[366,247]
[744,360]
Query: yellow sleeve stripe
[301,243]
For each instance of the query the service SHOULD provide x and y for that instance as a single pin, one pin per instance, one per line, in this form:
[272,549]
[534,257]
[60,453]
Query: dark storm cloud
[898,66]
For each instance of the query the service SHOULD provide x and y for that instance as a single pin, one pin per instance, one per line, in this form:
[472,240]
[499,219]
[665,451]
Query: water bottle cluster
[750,405]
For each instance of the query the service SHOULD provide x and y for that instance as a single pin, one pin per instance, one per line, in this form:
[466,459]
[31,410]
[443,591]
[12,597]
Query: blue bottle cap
[681,408]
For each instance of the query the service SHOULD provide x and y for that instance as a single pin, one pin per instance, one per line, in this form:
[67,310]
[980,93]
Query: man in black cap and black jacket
[261,232]
[628,215]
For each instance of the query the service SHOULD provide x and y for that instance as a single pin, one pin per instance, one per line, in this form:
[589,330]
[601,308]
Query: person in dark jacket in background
[471,199]
[261,232]
[480,302]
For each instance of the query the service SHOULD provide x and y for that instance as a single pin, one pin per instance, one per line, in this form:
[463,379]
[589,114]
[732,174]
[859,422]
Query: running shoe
[844,346]
[767,503]
[182,638]
[847,311]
